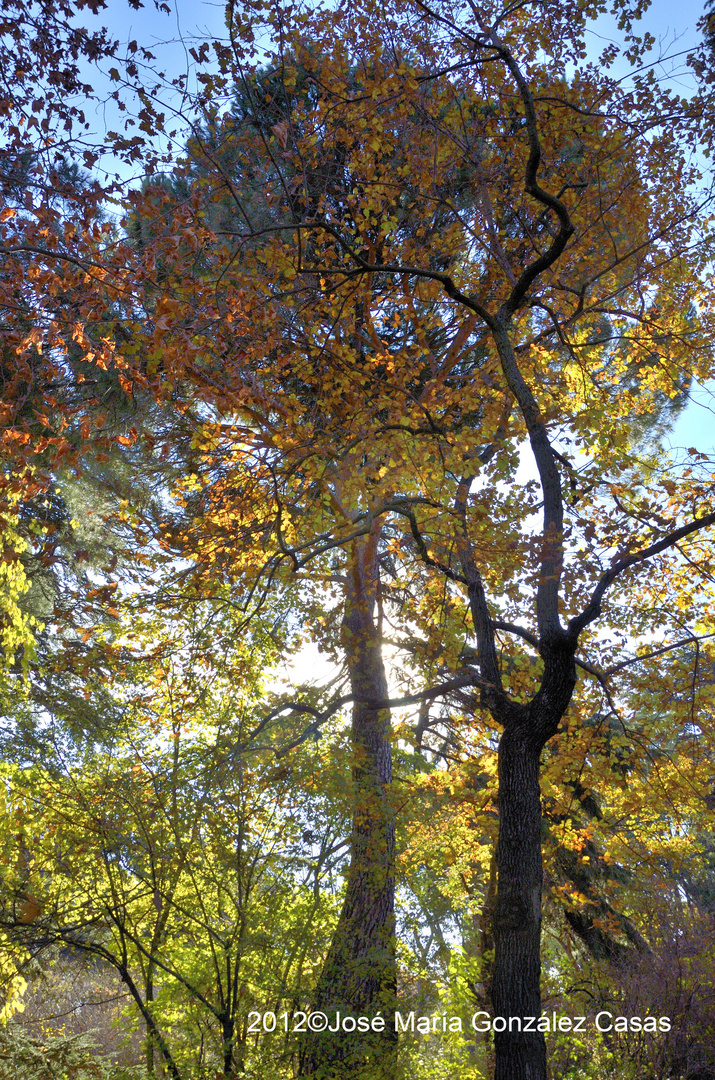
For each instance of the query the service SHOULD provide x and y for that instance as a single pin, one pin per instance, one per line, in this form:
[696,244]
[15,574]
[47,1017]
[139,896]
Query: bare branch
[693,638]
[469,678]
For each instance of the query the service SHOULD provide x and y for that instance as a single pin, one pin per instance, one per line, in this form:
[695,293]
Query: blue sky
[666,19]
[696,424]
[669,22]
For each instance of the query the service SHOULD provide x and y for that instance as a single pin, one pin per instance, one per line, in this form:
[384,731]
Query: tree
[571,253]
[59,289]
[174,855]
[454,236]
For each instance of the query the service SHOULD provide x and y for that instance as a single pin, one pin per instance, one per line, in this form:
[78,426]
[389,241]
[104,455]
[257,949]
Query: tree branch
[593,608]
[470,678]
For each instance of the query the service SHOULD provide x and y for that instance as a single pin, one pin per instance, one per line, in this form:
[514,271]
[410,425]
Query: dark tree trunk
[150,1041]
[227,1029]
[516,982]
[359,974]
[516,978]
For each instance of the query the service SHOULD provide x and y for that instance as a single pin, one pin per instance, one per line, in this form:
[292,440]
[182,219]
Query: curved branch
[441,689]
[547,594]
[483,624]
[532,639]
[531,184]
[694,638]
[402,508]
[362,266]
[593,608]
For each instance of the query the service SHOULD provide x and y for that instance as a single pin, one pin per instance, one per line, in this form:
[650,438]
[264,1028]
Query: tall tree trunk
[516,982]
[227,1031]
[516,978]
[359,974]
[150,1041]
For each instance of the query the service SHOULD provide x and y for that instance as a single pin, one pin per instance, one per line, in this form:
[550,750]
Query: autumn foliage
[369,377]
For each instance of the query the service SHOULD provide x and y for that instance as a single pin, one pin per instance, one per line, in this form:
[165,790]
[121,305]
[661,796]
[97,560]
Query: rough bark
[359,974]
[516,983]
[517,920]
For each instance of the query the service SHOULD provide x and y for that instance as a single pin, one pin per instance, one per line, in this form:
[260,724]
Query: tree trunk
[359,974]
[227,1030]
[150,1041]
[516,983]
[516,990]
